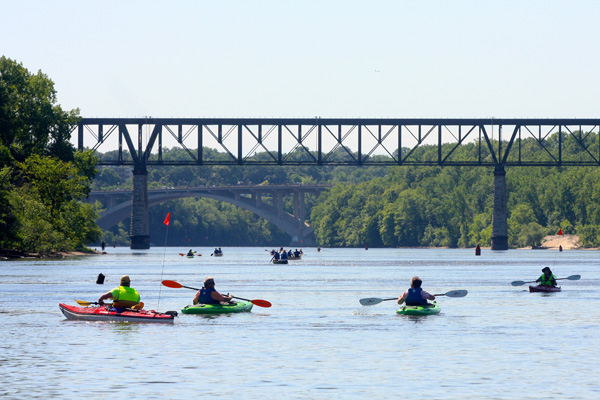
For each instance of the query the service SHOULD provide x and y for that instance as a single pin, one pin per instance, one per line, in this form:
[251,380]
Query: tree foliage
[42,177]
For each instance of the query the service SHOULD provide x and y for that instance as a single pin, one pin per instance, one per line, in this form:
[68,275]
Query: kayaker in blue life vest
[415,296]
[190,253]
[124,296]
[276,256]
[547,278]
[208,294]
[284,255]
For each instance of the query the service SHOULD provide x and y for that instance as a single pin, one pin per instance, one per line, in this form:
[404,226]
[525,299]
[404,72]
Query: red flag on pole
[167,219]
[559,231]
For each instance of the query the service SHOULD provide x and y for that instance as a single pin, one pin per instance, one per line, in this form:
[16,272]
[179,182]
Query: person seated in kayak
[415,296]
[220,251]
[208,294]
[547,278]
[124,296]
[190,253]
[284,255]
[296,253]
[276,256]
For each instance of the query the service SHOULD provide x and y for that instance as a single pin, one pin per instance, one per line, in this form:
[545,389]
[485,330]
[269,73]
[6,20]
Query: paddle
[177,285]
[371,301]
[88,303]
[571,278]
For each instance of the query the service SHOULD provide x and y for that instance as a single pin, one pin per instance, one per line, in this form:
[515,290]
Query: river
[316,341]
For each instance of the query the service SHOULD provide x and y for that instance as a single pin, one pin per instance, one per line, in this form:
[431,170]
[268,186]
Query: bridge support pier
[140,222]
[499,213]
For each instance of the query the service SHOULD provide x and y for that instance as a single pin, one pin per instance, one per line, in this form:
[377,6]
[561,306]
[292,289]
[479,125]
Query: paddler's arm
[105,296]
[402,298]
[196,298]
[219,297]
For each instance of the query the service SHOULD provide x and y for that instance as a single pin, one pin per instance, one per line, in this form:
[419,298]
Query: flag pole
[166,222]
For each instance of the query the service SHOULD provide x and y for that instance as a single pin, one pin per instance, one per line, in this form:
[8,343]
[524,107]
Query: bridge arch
[247,197]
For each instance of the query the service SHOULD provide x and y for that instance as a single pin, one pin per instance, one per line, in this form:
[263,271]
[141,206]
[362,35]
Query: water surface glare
[317,341]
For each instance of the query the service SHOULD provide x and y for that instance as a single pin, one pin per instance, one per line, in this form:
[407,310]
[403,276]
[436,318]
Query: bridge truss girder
[320,141]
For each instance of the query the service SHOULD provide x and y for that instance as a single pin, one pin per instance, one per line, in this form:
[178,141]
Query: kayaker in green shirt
[123,296]
[547,279]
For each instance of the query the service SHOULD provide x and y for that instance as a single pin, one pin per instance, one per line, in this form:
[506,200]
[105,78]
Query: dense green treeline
[42,177]
[452,206]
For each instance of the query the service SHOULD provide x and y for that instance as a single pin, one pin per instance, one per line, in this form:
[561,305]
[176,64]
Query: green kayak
[217,308]
[429,309]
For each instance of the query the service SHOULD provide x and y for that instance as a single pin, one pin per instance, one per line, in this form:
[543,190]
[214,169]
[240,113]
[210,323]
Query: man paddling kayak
[124,296]
[208,294]
[547,278]
[415,296]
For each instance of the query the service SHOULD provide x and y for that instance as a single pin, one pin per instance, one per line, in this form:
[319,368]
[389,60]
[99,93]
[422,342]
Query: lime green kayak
[429,309]
[217,308]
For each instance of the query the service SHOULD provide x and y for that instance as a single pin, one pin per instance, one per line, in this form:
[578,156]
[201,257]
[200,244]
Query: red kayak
[544,289]
[102,313]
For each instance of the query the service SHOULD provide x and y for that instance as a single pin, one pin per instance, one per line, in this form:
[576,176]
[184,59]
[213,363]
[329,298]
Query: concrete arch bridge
[266,201]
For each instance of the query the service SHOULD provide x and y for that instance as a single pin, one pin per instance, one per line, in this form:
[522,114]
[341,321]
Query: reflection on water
[316,342]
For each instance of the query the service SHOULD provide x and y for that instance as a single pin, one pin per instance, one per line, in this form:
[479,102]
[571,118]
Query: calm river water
[316,342]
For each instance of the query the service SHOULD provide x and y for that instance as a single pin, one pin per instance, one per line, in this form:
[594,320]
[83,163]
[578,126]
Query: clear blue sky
[312,58]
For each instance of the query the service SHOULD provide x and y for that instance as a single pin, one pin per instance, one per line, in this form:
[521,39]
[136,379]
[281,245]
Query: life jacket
[415,297]
[205,296]
[125,297]
[546,281]
[284,256]
[276,256]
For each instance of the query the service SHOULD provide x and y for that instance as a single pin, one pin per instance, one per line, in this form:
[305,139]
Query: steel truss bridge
[497,143]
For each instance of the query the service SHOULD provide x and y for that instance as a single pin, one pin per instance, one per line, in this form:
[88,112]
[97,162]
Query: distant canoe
[295,258]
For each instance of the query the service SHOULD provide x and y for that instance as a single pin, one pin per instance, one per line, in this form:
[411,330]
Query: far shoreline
[551,242]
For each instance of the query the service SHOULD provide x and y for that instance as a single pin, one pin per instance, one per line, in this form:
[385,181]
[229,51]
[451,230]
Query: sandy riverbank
[12,254]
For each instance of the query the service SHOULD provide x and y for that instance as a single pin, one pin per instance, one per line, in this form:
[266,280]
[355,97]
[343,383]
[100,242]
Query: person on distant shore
[415,296]
[209,295]
[123,296]
[547,278]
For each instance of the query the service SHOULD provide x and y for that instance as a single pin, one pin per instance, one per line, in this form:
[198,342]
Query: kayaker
[190,253]
[208,294]
[284,255]
[415,296]
[124,296]
[547,278]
